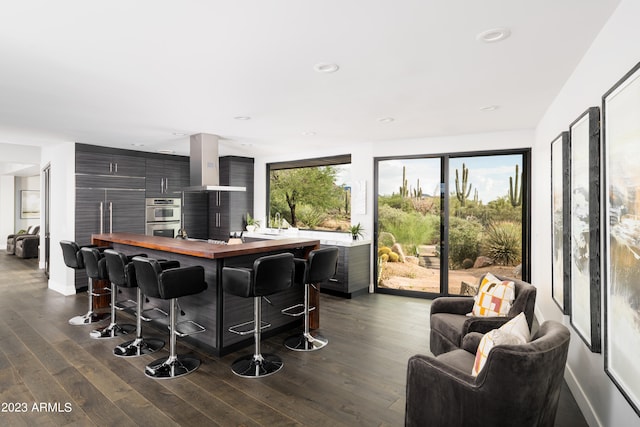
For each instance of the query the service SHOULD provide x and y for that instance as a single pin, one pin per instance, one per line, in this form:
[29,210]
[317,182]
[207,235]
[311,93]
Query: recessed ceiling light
[179,134]
[326,67]
[308,133]
[386,119]
[137,144]
[494,35]
[489,108]
[242,118]
[166,151]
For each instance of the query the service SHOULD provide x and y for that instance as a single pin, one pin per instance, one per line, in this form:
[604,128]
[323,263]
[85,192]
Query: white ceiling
[118,73]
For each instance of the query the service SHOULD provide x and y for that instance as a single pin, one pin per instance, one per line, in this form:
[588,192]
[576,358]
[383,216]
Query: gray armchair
[11,238]
[450,323]
[27,246]
[518,386]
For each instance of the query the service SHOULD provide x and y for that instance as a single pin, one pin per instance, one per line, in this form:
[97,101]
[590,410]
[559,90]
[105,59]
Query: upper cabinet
[166,176]
[109,164]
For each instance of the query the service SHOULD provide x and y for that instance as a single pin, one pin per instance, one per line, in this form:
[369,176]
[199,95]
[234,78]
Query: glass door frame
[444,215]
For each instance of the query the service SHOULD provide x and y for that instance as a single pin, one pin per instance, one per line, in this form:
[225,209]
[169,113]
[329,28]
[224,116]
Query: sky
[488,174]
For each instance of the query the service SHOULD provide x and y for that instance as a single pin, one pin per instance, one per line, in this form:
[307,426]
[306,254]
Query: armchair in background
[450,323]
[11,238]
[519,384]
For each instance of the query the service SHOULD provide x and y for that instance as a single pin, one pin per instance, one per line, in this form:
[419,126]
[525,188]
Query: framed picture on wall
[584,137]
[29,204]
[621,154]
[561,223]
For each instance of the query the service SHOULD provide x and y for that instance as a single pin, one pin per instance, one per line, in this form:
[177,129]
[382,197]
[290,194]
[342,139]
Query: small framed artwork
[29,204]
[584,264]
[621,154]
[561,223]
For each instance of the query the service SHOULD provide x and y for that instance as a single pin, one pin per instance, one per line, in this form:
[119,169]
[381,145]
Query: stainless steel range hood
[205,165]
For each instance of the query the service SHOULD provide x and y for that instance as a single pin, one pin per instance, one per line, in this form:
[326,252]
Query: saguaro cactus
[515,192]
[462,191]
[404,189]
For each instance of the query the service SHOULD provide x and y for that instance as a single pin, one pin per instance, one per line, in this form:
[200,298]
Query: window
[443,221]
[310,194]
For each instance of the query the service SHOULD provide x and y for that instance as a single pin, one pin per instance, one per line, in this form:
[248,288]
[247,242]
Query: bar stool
[319,267]
[96,266]
[270,274]
[74,259]
[122,272]
[171,284]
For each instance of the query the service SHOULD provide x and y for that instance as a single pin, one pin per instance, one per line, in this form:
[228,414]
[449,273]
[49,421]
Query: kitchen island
[213,308]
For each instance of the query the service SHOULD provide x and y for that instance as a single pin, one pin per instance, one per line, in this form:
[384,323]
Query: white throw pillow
[515,331]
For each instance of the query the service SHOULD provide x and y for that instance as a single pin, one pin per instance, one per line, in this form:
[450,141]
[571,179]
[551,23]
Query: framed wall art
[584,137]
[561,223]
[621,150]
[29,204]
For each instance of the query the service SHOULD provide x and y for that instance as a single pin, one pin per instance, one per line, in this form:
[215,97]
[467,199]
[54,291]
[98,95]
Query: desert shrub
[503,242]
[309,216]
[464,240]
[410,229]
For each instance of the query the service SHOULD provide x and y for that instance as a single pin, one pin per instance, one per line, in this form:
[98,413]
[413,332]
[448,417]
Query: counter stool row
[153,278]
[167,280]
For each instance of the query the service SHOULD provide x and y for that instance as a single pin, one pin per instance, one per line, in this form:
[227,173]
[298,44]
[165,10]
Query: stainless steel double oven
[163,216]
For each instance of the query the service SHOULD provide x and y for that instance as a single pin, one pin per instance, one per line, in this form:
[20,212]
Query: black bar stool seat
[320,266]
[270,274]
[171,284]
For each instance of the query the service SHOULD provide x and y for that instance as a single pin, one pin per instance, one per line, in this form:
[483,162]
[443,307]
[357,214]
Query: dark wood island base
[215,310]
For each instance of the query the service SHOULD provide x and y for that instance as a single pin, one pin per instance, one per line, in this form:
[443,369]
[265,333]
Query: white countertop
[326,237]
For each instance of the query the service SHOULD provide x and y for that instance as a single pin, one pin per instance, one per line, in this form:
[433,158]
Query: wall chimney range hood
[205,166]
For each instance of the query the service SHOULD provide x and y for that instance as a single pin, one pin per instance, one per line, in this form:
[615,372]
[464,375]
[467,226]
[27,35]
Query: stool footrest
[240,329]
[147,317]
[101,292]
[188,327]
[289,311]
[124,305]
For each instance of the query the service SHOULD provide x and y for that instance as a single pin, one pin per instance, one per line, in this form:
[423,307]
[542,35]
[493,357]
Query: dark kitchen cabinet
[109,164]
[228,209]
[166,177]
[353,274]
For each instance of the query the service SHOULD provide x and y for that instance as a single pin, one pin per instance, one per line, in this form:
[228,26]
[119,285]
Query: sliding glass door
[442,222]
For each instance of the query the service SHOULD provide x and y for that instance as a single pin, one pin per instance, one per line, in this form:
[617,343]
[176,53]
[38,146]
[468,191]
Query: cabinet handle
[111,215]
[101,212]
[217,219]
[116,168]
[166,185]
[110,167]
[162,185]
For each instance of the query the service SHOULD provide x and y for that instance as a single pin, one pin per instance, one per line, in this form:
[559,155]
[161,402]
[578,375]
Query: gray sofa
[518,386]
[450,323]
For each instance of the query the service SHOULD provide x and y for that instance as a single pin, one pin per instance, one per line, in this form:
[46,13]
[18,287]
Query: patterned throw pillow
[515,331]
[494,297]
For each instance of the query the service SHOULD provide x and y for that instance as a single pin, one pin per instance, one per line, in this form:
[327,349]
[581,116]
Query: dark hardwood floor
[358,379]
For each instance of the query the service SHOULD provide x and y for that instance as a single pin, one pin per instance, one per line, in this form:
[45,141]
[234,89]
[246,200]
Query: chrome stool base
[138,347]
[252,366]
[305,342]
[167,368]
[89,318]
[112,331]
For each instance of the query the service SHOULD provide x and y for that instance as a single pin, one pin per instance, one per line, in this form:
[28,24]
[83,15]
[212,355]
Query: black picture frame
[621,152]
[584,143]
[560,223]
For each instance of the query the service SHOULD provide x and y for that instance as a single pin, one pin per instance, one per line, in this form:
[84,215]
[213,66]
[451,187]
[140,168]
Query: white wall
[7,212]
[61,157]
[614,52]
